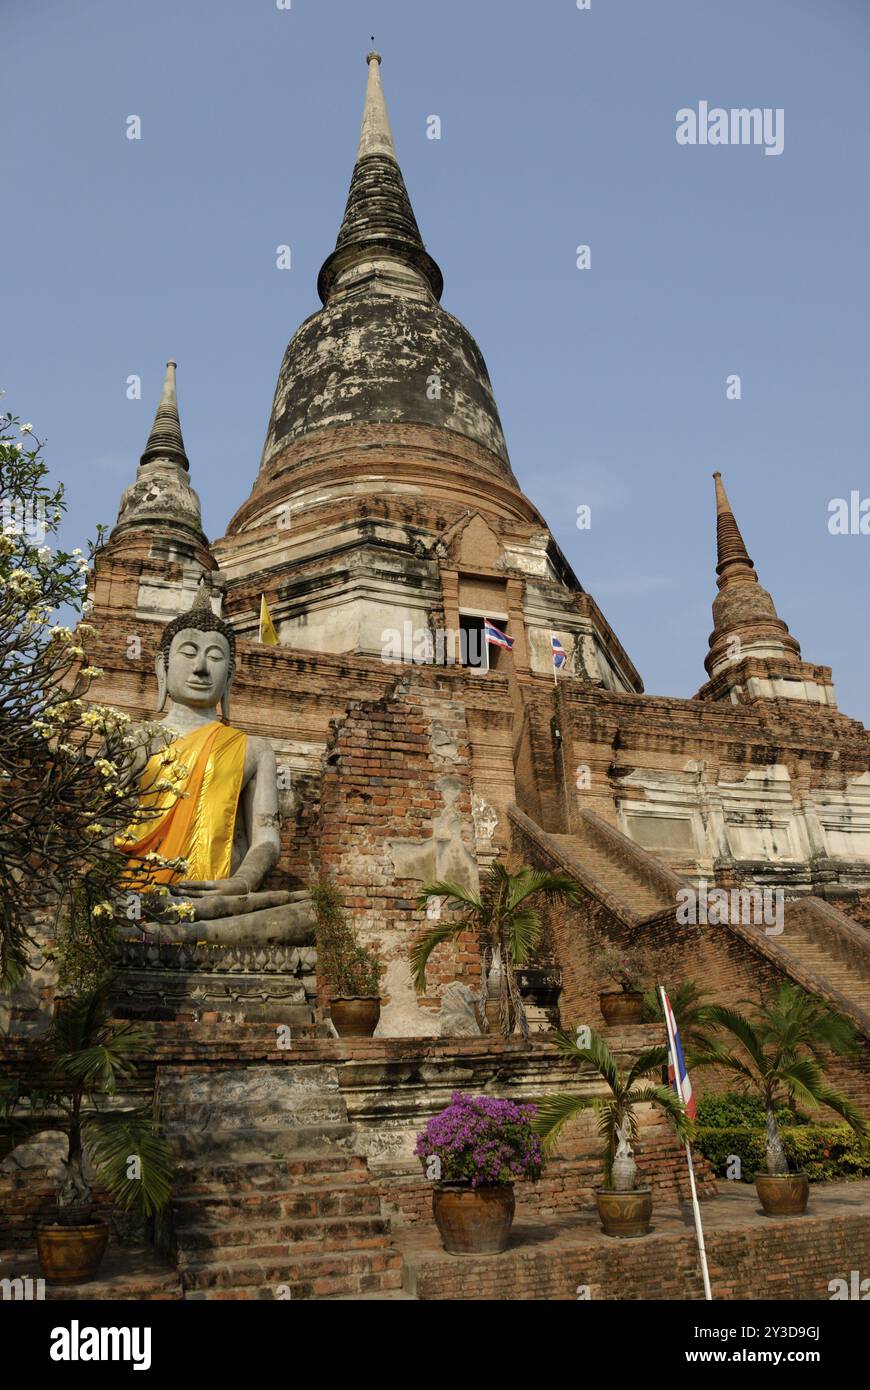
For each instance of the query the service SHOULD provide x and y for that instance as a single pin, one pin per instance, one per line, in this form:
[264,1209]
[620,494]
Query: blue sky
[558,128]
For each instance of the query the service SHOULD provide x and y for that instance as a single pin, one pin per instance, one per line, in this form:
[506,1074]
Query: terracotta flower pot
[783,1194]
[474,1220]
[355,1016]
[624,1214]
[74,1214]
[71,1254]
[621,1005]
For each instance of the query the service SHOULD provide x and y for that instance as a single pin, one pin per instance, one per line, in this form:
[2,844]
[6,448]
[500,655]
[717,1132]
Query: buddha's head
[196,660]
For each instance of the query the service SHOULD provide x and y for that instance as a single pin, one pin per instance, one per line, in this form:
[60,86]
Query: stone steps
[201,1246]
[250,1145]
[387,1296]
[263,1114]
[614,874]
[221,1210]
[306,1276]
[291,1172]
[845,977]
[626,883]
[270,1201]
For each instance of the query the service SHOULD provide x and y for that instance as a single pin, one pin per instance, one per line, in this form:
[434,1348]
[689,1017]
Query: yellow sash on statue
[207,766]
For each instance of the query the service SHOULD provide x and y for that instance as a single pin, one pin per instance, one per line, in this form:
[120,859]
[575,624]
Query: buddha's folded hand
[225,887]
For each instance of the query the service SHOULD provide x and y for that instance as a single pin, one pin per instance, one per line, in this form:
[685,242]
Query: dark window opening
[475,651]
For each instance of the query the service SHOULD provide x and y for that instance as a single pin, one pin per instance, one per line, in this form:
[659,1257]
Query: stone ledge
[131,1274]
[751,1256]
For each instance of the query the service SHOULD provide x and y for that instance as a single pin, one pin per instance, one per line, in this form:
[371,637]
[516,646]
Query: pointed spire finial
[375,136]
[378,218]
[729,542]
[745,620]
[165,439]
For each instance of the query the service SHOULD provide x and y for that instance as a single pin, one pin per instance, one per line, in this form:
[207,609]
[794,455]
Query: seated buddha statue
[209,796]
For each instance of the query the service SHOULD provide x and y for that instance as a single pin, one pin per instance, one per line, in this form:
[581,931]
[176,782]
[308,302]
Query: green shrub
[735,1109]
[348,968]
[824,1152]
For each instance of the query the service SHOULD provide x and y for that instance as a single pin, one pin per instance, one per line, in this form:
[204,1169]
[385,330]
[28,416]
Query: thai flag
[560,656]
[495,637]
[678,1076]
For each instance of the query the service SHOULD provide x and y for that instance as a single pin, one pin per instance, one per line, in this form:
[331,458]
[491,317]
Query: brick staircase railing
[843,945]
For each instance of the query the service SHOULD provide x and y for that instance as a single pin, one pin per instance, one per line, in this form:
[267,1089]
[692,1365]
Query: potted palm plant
[507,919]
[779,1057]
[474,1151]
[350,972]
[621,965]
[84,1060]
[623,1208]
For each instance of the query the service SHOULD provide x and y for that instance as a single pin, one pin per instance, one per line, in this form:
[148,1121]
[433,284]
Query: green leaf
[113,1139]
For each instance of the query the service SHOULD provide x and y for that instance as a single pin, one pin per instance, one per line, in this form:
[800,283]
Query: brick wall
[396,804]
[567,1184]
[776,1260]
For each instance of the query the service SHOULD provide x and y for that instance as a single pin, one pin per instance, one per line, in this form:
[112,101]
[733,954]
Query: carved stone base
[266,984]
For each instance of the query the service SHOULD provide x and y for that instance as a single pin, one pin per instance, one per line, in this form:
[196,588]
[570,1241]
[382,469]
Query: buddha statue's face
[198,669]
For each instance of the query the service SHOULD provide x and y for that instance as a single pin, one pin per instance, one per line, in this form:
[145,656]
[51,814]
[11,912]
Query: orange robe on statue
[196,822]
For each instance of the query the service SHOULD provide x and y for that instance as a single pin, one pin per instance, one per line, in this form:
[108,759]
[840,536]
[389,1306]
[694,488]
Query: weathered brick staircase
[270,1200]
[821,948]
[642,896]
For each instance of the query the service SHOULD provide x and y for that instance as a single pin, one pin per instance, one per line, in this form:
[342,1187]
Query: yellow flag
[267,627]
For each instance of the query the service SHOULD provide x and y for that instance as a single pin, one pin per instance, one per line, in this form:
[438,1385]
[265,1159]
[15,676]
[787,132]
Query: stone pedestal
[271,983]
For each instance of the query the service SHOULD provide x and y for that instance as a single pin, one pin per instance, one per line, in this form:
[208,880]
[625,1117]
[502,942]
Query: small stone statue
[458,1016]
[218,806]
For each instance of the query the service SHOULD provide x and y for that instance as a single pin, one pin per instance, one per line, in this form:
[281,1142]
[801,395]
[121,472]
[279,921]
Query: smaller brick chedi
[384,527]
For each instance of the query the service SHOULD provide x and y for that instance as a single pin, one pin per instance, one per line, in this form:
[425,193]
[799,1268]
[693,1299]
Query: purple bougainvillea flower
[482,1141]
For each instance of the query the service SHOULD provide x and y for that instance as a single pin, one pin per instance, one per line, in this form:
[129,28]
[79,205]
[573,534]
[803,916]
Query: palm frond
[551,886]
[728,1061]
[118,1141]
[524,931]
[741,1028]
[841,1105]
[667,1100]
[554,1112]
[109,1060]
[423,948]
[652,1060]
[453,892]
[597,1053]
[692,1008]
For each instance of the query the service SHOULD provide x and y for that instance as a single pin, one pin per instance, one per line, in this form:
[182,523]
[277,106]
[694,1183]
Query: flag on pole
[495,637]
[267,631]
[679,1077]
[560,656]
[678,1074]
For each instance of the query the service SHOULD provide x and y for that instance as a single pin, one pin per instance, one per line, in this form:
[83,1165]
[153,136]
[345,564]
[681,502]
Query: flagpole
[699,1230]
